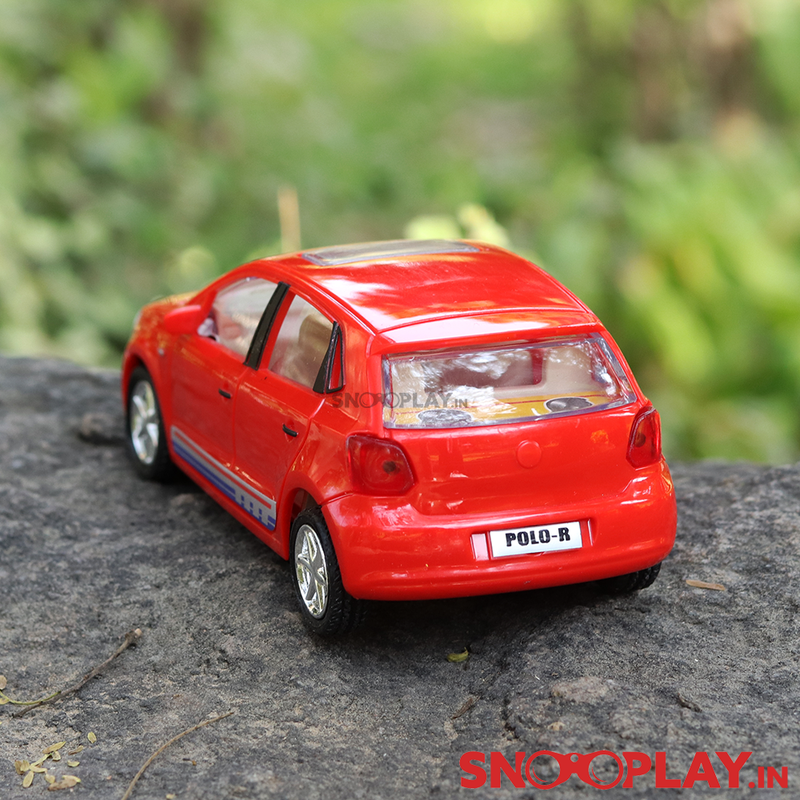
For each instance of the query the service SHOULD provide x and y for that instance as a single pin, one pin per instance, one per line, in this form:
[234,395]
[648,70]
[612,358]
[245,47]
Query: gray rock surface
[88,551]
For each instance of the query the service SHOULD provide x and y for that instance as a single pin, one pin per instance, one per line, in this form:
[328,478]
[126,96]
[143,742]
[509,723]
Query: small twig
[6,699]
[468,704]
[131,637]
[686,703]
[717,587]
[165,746]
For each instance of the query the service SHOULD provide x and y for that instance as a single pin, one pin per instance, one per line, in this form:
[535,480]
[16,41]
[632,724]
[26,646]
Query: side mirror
[185,319]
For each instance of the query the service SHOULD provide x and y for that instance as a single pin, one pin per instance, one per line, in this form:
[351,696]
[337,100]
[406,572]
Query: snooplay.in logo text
[425,400]
[603,769]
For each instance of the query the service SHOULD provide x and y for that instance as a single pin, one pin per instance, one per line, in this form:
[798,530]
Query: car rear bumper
[389,551]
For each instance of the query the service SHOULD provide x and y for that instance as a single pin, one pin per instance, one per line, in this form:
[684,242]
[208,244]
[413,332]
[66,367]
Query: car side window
[301,344]
[235,313]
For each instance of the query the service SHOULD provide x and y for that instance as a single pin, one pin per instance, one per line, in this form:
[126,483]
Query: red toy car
[408,419]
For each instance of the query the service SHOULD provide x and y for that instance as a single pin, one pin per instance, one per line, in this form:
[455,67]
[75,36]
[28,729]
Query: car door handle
[287,429]
[226,395]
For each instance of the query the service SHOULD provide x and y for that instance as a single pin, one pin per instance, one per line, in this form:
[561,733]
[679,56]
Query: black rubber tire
[632,582]
[338,612]
[154,463]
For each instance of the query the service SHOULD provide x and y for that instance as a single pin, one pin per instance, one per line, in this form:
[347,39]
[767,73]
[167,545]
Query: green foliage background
[645,153]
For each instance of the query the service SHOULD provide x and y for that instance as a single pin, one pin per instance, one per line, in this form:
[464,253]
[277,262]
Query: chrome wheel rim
[312,571]
[144,422]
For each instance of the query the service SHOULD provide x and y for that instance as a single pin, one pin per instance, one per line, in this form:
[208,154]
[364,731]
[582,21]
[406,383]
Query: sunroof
[369,251]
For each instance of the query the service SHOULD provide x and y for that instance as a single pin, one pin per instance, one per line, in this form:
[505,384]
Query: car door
[275,403]
[206,368]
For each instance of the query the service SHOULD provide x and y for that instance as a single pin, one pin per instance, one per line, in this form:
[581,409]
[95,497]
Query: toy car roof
[400,283]
[372,251]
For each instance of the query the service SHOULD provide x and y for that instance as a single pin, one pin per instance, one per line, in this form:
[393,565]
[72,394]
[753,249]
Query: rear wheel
[326,606]
[147,441]
[632,582]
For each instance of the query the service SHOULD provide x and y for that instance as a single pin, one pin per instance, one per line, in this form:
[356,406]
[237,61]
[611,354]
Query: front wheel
[147,441]
[632,582]
[326,606]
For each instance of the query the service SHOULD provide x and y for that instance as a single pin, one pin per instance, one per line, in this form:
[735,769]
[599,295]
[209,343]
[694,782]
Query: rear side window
[302,343]
[503,385]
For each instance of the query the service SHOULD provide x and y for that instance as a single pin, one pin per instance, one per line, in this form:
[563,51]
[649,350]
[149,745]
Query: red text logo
[603,769]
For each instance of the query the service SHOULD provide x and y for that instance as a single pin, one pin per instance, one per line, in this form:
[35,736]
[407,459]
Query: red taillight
[645,444]
[378,466]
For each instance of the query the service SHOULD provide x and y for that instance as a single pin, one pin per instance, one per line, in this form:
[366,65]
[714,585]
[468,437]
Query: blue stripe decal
[209,474]
[259,506]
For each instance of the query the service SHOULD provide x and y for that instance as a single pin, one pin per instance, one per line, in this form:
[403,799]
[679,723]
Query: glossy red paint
[266,446]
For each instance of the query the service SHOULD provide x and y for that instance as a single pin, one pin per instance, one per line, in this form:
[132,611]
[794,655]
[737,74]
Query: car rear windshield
[493,386]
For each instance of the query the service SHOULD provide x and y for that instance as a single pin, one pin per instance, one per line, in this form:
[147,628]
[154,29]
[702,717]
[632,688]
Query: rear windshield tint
[502,385]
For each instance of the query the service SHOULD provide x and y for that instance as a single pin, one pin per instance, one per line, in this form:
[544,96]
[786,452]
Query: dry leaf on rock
[67,782]
[457,658]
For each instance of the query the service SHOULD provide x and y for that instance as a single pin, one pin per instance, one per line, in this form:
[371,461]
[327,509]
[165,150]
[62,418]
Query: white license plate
[536,539]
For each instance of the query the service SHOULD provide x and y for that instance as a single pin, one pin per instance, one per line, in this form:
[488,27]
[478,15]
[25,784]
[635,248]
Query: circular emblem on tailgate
[529,454]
